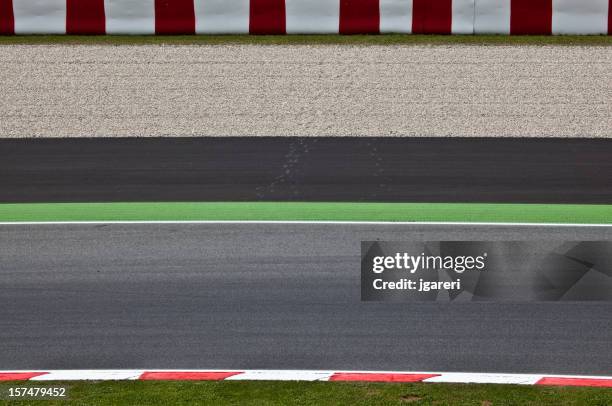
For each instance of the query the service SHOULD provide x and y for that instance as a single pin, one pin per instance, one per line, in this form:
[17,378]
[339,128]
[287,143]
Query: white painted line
[577,376]
[356,223]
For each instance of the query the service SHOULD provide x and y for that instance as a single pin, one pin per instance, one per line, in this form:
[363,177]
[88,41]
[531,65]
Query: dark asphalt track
[307,169]
[267,296]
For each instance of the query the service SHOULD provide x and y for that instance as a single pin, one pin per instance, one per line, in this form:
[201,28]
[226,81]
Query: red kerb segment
[606,383]
[432,16]
[19,376]
[85,17]
[174,17]
[186,376]
[267,17]
[532,17]
[376,377]
[359,17]
[7,19]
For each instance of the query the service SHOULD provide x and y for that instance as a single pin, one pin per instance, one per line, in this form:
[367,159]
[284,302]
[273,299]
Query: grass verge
[313,393]
[387,39]
[304,211]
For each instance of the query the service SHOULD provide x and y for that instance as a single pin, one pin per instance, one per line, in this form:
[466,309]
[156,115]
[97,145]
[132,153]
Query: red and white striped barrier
[305,375]
[305,16]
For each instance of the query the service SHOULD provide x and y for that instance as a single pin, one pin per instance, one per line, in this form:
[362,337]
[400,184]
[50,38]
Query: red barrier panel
[7,20]
[432,16]
[267,17]
[532,17]
[85,17]
[174,17]
[359,17]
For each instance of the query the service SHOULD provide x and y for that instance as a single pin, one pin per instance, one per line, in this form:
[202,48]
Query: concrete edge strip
[306,375]
[330,222]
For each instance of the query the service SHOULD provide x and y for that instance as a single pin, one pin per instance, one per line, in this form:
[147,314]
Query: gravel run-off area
[305,90]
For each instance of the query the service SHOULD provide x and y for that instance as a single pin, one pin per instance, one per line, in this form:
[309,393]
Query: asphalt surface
[307,169]
[267,296]
[237,90]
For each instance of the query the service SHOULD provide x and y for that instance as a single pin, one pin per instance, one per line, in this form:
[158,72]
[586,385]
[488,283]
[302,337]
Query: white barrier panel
[463,17]
[222,16]
[492,17]
[396,16]
[580,17]
[130,16]
[40,16]
[312,16]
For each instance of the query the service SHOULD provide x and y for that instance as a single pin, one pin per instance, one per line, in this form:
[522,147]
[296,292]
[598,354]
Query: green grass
[315,393]
[387,39]
[304,211]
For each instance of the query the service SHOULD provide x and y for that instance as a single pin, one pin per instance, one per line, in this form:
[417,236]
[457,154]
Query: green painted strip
[300,211]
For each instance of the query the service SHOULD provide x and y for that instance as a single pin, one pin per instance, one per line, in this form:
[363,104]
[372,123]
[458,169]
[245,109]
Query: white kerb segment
[580,17]
[492,16]
[396,16]
[90,375]
[40,16]
[463,17]
[282,375]
[222,16]
[458,377]
[312,16]
[130,16]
